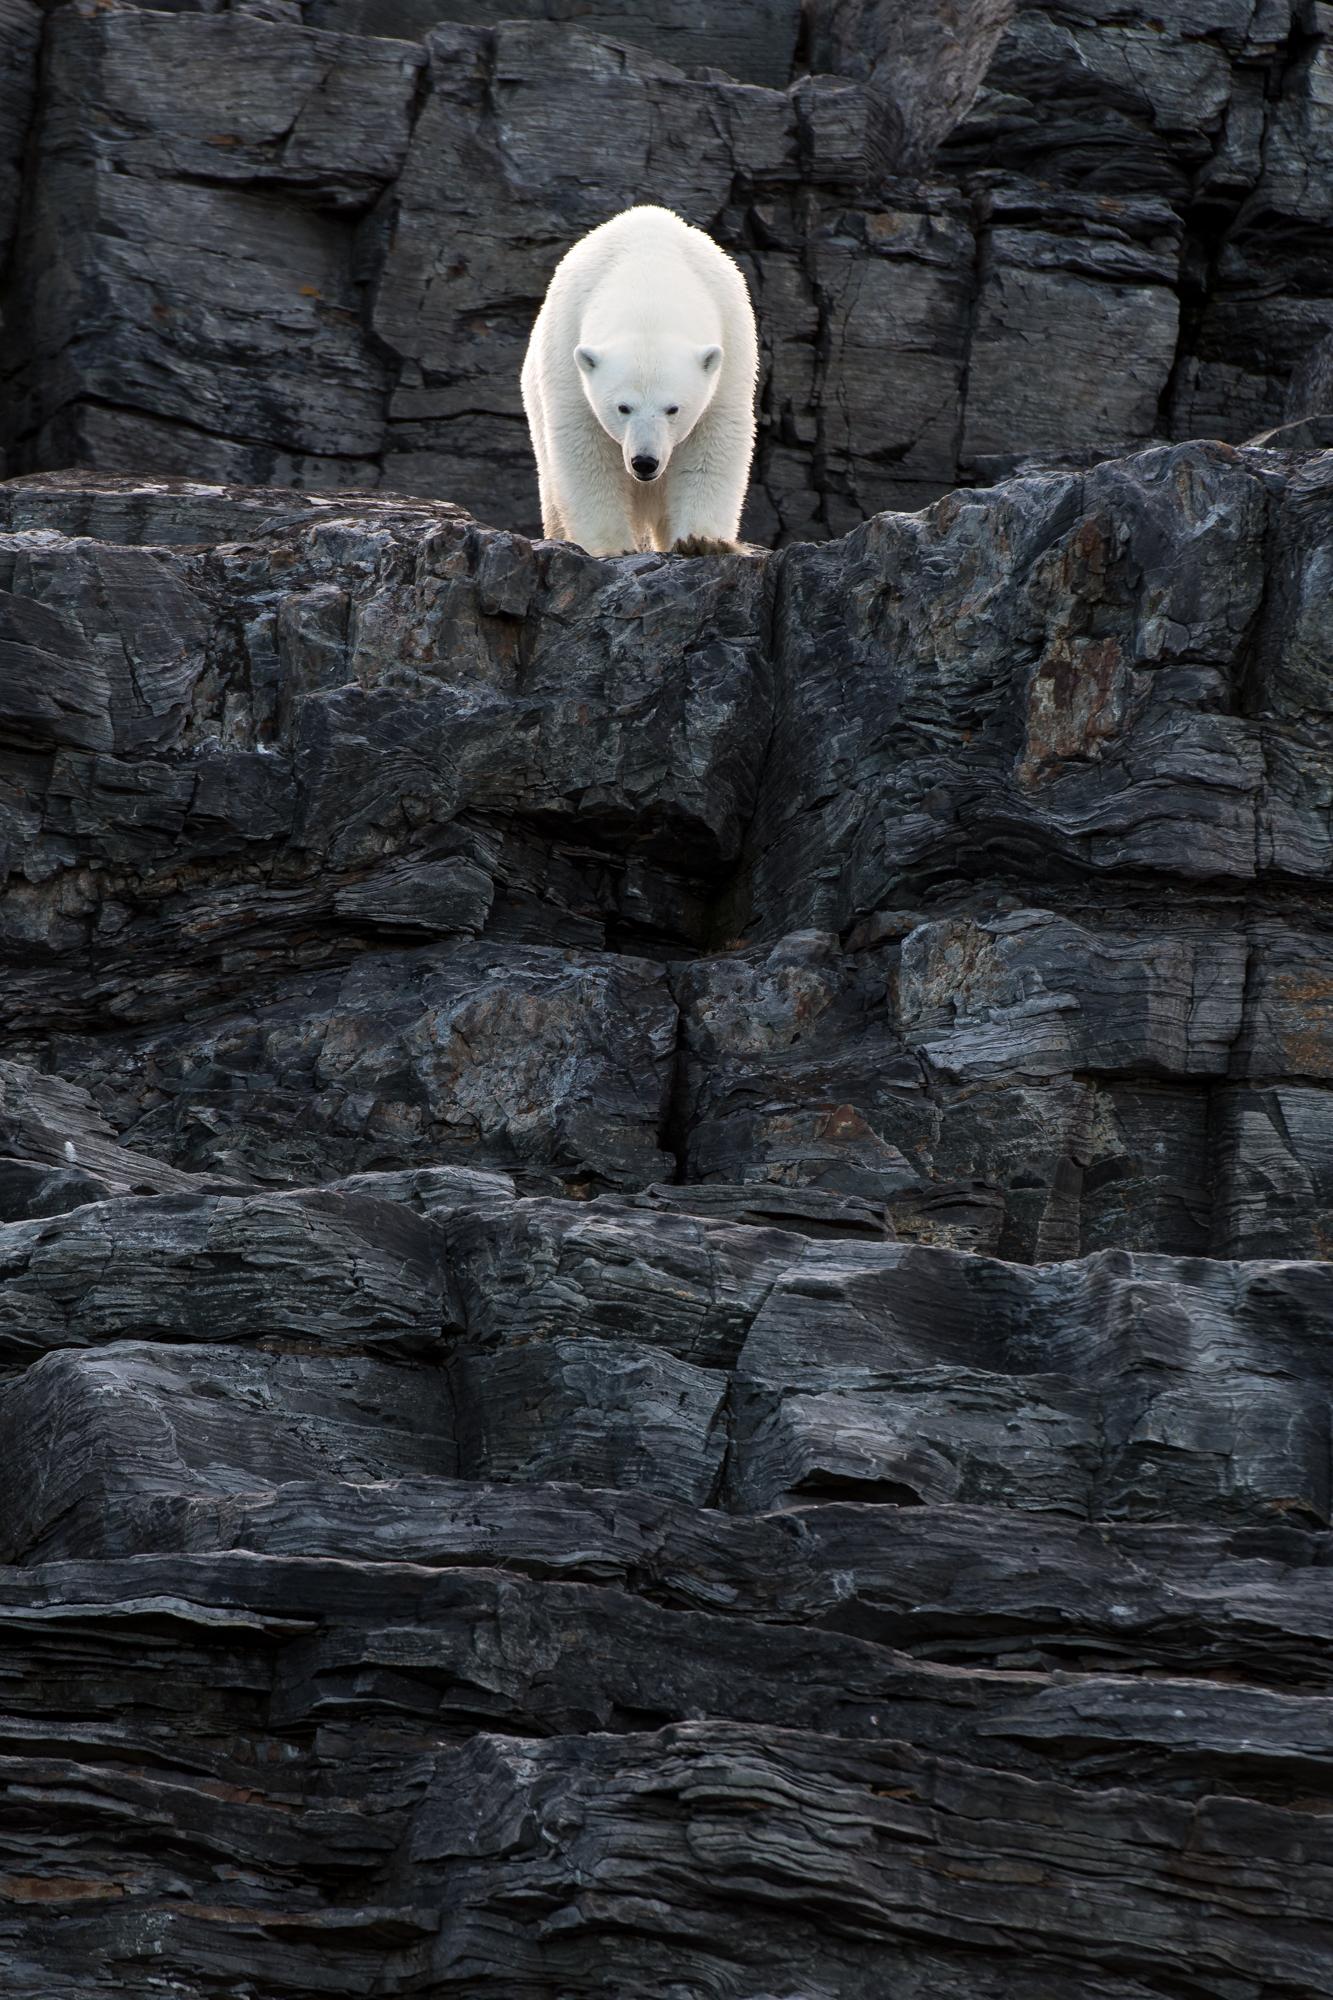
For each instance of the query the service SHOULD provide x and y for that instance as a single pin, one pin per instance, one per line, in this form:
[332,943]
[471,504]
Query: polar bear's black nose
[643,467]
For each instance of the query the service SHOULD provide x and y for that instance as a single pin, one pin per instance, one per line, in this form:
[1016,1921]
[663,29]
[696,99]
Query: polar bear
[639,385]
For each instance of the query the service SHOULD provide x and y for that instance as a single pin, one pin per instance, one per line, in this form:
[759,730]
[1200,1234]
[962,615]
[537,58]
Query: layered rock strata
[663,1224]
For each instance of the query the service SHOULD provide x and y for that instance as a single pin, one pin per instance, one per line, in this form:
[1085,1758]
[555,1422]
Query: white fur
[645,312]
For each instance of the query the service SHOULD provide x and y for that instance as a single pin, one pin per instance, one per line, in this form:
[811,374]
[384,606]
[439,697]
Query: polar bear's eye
[673,409]
[624,409]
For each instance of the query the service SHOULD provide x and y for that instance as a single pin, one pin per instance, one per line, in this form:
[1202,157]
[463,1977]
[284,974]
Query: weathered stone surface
[989,1108]
[1310,390]
[595,1412]
[804,1210]
[541,1268]
[20,32]
[665,1246]
[1269,310]
[417,1653]
[445,849]
[923,65]
[328,1269]
[1121,98]
[544,1062]
[75,1421]
[802,1827]
[607,1342]
[57,1151]
[1047,663]
[1123,1416]
[755,43]
[176,297]
[1090,280]
[236,809]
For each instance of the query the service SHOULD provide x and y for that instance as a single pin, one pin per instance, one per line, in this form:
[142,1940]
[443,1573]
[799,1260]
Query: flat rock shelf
[665,1318]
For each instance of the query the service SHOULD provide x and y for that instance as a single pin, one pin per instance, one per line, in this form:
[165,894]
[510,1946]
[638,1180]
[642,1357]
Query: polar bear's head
[648,398]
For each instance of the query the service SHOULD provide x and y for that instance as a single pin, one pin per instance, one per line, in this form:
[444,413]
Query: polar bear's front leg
[601,526]
[703,518]
[703,545]
[553,519]
[707,491]
[534,403]
[592,488]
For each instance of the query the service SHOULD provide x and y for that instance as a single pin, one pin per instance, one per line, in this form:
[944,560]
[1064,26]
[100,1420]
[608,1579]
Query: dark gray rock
[806,1211]
[430,1191]
[1093,278]
[326,1269]
[814,1840]
[1121,99]
[551,1064]
[1301,434]
[1088,1388]
[1091,657]
[590,1343]
[197,1422]
[591,1411]
[20,33]
[685,1346]
[1273,1156]
[29,1189]
[550,1538]
[1310,391]
[54,1144]
[404,817]
[181,513]
[182,304]
[1028,1119]
[606,1270]
[310,112]
[416,1654]
[923,66]
[328,715]
[755,43]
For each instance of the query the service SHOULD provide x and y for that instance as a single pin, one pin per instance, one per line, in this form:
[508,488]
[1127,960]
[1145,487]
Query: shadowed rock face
[304,241]
[664,1225]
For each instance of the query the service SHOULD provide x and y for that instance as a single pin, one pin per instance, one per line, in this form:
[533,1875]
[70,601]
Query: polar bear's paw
[704,545]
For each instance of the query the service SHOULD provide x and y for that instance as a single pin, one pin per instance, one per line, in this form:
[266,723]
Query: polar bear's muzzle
[645,448]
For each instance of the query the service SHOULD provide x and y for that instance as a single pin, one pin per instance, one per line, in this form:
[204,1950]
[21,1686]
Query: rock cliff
[665,1282]
[663,1317]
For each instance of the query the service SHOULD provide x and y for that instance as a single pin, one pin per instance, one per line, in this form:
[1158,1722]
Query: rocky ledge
[663,1318]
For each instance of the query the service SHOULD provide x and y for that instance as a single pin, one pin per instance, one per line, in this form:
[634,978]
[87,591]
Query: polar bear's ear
[586,358]
[710,359]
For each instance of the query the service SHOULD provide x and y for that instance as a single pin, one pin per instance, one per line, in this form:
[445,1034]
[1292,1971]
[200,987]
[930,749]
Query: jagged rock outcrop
[970,867]
[249,245]
[664,1226]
